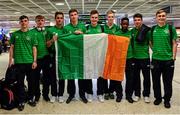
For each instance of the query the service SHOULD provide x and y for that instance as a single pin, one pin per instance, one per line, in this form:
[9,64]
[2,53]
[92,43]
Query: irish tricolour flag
[91,56]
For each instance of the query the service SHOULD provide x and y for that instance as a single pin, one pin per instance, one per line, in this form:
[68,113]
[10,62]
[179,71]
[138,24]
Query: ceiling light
[115,11]
[17,12]
[59,4]
[140,0]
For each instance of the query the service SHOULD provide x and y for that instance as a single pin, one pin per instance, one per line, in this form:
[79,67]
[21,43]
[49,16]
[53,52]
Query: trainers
[69,99]
[83,98]
[157,101]
[130,100]
[106,96]
[60,99]
[101,98]
[111,96]
[118,99]
[136,98]
[53,99]
[32,103]
[146,100]
[21,106]
[46,98]
[90,97]
[37,98]
[167,105]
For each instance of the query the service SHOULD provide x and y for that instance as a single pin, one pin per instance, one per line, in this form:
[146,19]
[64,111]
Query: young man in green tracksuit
[94,28]
[129,70]
[74,27]
[23,51]
[142,59]
[110,28]
[164,47]
[52,35]
[40,32]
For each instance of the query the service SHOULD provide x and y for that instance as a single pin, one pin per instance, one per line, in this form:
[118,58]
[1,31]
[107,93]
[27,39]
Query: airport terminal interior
[11,10]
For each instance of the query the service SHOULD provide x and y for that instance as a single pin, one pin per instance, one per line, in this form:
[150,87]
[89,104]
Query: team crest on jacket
[28,38]
[166,31]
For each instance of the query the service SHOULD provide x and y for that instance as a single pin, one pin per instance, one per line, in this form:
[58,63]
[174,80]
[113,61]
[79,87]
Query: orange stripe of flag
[116,57]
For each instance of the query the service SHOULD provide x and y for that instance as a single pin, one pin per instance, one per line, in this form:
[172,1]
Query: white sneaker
[146,100]
[90,97]
[53,99]
[60,99]
[101,98]
[136,98]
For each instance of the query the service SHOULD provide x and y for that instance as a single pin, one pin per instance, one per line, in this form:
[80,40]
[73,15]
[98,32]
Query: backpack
[11,75]
[8,99]
[102,28]
[170,30]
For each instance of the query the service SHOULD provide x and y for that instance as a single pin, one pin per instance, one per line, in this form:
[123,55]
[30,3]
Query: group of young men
[34,50]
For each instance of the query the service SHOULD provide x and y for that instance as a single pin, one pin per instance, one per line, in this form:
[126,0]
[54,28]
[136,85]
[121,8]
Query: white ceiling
[10,10]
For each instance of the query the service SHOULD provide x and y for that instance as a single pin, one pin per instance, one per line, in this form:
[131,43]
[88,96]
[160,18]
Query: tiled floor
[108,107]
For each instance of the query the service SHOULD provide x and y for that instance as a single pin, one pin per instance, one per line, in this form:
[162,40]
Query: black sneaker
[83,98]
[32,103]
[46,98]
[167,105]
[111,96]
[106,96]
[37,98]
[130,100]
[69,99]
[118,99]
[21,107]
[157,101]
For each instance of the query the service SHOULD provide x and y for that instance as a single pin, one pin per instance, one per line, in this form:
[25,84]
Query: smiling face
[161,18]
[94,19]
[124,24]
[110,18]
[24,23]
[138,22]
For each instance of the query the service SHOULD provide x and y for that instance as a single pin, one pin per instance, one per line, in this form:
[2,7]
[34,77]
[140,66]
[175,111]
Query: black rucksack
[8,98]
[11,75]
[8,89]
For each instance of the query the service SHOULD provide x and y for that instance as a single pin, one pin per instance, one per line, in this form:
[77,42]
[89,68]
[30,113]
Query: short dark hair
[94,12]
[137,15]
[73,10]
[39,17]
[58,13]
[125,18]
[23,17]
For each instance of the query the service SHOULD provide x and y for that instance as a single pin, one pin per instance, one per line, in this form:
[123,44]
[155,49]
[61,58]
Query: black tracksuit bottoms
[144,65]
[166,69]
[22,71]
